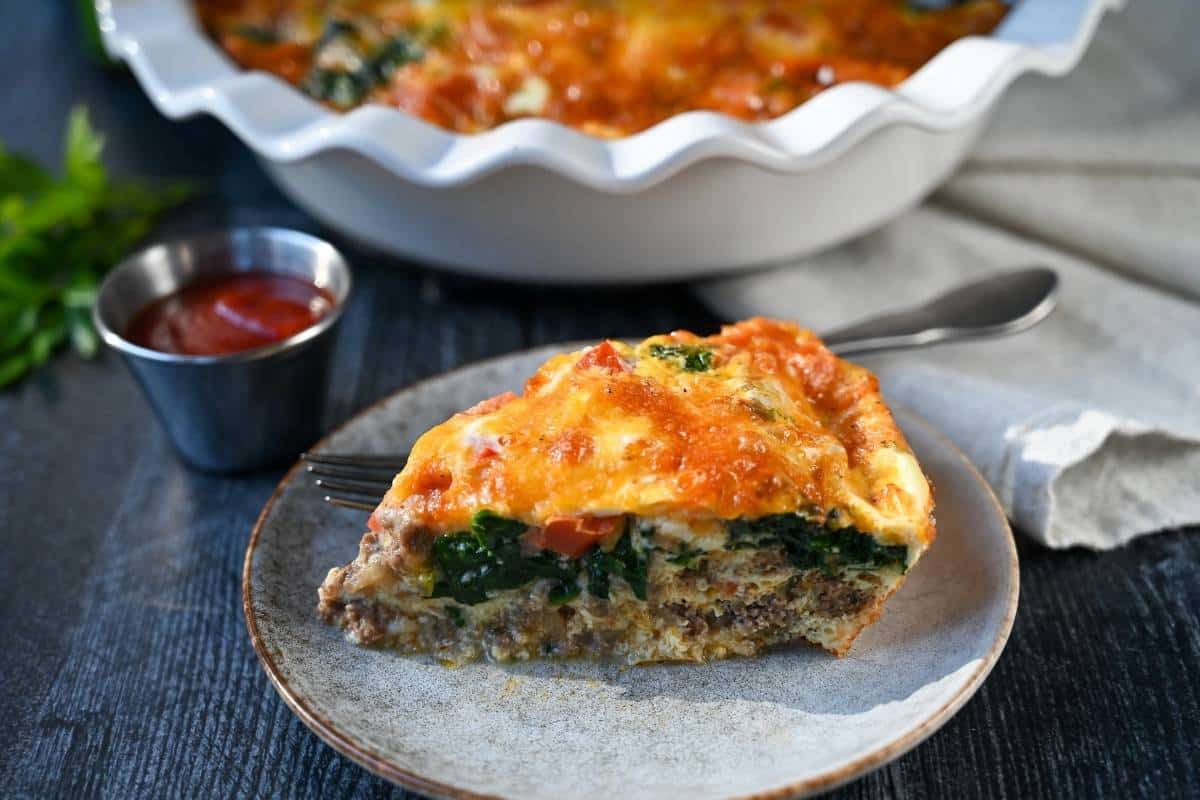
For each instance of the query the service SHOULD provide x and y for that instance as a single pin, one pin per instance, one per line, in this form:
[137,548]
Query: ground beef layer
[724,604]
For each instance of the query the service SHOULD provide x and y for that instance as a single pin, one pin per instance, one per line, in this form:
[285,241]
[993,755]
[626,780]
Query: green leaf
[812,545]
[20,175]
[490,526]
[16,287]
[144,198]
[61,204]
[79,295]
[83,148]
[685,556]
[21,329]
[13,368]
[686,357]
[393,54]
[338,87]
[563,593]
[58,237]
[626,560]
[489,558]
[49,336]
[83,335]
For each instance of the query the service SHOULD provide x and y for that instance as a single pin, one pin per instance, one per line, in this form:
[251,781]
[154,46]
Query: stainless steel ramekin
[243,410]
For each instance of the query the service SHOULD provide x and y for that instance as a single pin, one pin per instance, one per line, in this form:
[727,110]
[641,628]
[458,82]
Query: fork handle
[997,305]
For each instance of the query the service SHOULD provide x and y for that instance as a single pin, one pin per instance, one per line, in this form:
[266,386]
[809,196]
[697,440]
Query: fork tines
[392,462]
[358,481]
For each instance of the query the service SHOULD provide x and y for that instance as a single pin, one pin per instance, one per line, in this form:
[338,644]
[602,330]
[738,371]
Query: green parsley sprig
[59,235]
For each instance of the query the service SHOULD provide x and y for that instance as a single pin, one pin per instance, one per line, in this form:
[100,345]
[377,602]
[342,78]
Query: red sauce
[229,313]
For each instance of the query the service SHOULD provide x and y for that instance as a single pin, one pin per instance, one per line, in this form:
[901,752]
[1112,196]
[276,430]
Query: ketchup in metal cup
[229,313]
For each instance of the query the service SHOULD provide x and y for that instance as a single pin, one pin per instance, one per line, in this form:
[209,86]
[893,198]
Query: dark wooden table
[125,670]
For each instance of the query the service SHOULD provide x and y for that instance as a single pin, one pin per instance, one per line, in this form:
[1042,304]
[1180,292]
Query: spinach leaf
[685,556]
[563,593]
[347,83]
[487,558]
[811,545]
[393,54]
[626,561]
[346,86]
[596,564]
[336,29]
[686,357]
[488,526]
[341,88]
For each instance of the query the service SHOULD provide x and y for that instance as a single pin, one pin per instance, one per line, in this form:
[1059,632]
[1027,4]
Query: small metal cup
[243,410]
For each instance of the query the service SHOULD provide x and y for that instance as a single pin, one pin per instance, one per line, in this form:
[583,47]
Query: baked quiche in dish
[608,68]
[681,499]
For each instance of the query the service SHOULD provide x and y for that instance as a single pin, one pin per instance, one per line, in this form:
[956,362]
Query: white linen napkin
[1088,426]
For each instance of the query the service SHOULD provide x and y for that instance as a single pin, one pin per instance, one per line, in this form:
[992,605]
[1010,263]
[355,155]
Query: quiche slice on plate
[682,499]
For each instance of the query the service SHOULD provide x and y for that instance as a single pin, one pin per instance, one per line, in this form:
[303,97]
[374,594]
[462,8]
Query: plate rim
[380,765]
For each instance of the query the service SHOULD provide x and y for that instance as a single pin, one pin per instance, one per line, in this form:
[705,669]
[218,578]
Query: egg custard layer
[682,499]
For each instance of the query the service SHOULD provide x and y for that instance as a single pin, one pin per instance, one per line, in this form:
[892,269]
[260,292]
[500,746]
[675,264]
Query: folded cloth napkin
[1088,426]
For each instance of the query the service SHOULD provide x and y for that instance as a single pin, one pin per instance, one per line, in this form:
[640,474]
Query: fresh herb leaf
[83,338]
[22,325]
[59,235]
[811,545]
[51,333]
[82,157]
[686,357]
[20,176]
[13,367]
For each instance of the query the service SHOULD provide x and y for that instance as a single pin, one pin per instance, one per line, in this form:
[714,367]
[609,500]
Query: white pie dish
[534,200]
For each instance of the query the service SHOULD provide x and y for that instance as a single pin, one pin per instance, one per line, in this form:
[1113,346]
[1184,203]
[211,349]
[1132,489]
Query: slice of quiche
[683,499]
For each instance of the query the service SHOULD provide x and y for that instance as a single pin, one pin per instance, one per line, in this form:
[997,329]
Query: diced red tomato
[373,523]
[490,405]
[604,357]
[289,60]
[573,536]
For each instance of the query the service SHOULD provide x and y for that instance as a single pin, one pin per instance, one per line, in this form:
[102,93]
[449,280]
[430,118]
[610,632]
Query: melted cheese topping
[606,67]
[777,423]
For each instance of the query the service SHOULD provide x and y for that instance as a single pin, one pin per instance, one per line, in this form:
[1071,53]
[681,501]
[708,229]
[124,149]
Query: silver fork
[997,305]
[348,477]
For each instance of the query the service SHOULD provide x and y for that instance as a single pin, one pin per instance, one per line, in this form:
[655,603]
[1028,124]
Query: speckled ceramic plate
[794,722]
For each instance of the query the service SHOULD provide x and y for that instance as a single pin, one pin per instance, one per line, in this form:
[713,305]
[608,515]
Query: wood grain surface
[125,669]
